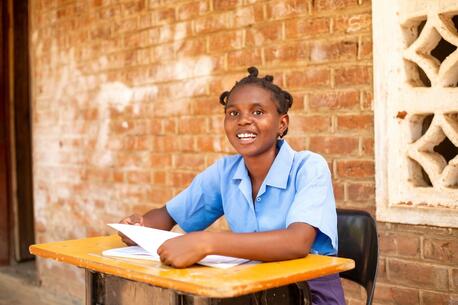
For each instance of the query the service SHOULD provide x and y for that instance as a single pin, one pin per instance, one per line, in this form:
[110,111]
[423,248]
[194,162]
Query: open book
[149,240]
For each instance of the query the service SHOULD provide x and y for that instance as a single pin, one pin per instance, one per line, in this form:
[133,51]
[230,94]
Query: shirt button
[258,199]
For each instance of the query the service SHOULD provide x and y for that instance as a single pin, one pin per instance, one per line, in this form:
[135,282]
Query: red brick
[309,78]
[357,75]
[286,9]
[307,27]
[225,41]
[366,100]
[164,15]
[367,147]
[174,31]
[219,84]
[454,279]
[118,176]
[322,51]
[160,195]
[213,23]
[248,16]
[429,297]
[381,270]
[207,106]
[160,160]
[163,52]
[187,143]
[193,125]
[134,193]
[417,275]
[136,177]
[211,143]
[181,179]
[338,191]
[140,142]
[226,4]
[296,142]
[304,124]
[244,58]
[357,169]
[132,159]
[98,174]
[340,100]
[165,144]
[264,34]
[189,161]
[331,145]
[399,244]
[216,125]
[365,48]
[441,250]
[357,23]
[281,54]
[334,4]
[168,126]
[396,295]
[358,122]
[361,192]
[158,177]
[192,9]
[298,102]
[177,107]
[190,47]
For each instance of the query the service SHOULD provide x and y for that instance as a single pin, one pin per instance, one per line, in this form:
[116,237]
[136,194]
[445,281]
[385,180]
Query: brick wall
[126,112]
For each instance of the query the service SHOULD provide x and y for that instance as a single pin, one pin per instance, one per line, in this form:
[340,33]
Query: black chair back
[358,240]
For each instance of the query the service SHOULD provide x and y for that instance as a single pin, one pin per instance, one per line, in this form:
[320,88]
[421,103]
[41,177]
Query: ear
[284,122]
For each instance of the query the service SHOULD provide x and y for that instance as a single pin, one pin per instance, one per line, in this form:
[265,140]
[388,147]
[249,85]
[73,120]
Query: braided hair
[282,98]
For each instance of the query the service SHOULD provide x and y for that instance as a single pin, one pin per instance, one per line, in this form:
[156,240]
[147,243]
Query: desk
[193,285]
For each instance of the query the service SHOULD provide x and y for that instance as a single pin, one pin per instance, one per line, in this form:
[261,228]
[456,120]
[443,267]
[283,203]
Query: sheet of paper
[131,252]
[150,239]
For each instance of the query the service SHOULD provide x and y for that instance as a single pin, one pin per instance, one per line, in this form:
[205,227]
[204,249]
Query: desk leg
[95,288]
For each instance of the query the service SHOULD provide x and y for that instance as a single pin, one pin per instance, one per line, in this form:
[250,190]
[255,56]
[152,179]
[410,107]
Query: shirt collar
[279,171]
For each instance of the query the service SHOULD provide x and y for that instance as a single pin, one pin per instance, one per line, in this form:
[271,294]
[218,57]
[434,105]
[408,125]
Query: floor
[19,286]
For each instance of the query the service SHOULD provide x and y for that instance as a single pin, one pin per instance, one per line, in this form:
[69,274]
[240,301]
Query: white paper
[149,240]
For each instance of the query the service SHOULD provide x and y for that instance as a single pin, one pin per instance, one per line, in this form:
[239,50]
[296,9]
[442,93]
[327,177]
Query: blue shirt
[297,188]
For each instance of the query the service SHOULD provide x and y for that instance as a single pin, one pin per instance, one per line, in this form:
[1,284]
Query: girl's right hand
[136,220]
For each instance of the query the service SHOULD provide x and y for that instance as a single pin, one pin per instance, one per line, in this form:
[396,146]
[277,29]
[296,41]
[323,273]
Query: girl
[278,203]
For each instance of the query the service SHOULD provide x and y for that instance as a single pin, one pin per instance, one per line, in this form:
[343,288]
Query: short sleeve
[200,204]
[314,204]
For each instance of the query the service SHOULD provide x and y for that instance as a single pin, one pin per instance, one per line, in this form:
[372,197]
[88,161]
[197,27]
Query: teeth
[246,135]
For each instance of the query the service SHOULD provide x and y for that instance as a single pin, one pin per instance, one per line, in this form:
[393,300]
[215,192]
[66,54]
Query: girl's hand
[184,250]
[136,220]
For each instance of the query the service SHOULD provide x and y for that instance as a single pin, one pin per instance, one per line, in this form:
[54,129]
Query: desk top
[197,280]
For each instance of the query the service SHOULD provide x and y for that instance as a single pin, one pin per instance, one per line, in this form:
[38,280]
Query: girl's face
[252,122]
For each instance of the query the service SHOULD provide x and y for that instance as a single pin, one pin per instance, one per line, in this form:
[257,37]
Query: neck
[259,166]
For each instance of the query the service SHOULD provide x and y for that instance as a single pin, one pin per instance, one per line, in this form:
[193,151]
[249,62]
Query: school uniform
[297,188]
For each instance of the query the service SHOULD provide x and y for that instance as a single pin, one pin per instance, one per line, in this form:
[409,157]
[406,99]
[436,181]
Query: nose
[245,119]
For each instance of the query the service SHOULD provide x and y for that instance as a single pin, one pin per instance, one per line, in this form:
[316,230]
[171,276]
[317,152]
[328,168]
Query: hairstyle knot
[253,71]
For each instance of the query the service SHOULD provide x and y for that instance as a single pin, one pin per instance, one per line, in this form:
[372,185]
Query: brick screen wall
[126,113]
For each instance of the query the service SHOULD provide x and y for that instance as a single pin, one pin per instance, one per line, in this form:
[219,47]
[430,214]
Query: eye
[258,112]
[232,113]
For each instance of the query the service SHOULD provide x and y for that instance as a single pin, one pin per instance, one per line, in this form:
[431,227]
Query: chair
[358,240]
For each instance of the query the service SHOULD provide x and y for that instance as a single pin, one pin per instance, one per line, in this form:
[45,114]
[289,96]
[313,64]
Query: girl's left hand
[184,250]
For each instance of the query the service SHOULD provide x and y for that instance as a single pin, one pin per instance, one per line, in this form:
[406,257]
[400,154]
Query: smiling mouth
[246,136]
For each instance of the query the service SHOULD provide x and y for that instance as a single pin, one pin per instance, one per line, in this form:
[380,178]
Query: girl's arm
[293,242]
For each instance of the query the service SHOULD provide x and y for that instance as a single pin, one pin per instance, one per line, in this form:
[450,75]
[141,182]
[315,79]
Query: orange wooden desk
[204,282]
